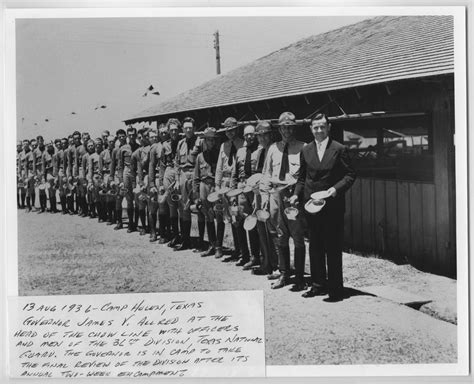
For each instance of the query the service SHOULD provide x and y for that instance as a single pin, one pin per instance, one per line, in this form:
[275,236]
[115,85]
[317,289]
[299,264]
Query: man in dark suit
[325,166]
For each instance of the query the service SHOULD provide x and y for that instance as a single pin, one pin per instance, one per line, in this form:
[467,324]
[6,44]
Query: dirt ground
[64,255]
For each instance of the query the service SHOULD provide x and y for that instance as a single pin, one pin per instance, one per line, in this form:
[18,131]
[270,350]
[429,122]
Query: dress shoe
[259,271]
[131,229]
[230,258]
[200,247]
[210,252]
[174,241]
[118,226]
[252,263]
[153,238]
[274,275]
[282,281]
[142,232]
[163,241]
[219,253]
[314,291]
[110,223]
[242,262]
[183,246]
[333,299]
[298,287]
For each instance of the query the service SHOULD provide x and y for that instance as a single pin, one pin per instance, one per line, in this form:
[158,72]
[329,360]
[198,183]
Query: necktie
[261,160]
[248,163]
[233,151]
[284,163]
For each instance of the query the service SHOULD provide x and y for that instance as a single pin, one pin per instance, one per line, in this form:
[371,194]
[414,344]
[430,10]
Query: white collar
[323,143]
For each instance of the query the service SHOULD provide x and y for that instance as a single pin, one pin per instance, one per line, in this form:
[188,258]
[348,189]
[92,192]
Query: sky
[75,65]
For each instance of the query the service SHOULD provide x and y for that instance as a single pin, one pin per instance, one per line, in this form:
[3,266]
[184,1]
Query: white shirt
[321,147]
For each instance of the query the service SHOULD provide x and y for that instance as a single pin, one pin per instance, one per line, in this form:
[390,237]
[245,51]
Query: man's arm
[218,177]
[197,176]
[301,176]
[349,173]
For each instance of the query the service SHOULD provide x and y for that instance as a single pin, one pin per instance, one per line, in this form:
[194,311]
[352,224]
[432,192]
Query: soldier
[204,184]
[225,162]
[47,167]
[269,251]
[245,166]
[127,176]
[28,173]
[279,177]
[75,156]
[106,198]
[105,134]
[154,156]
[85,177]
[116,174]
[21,191]
[184,162]
[59,172]
[94,176]
[140,161]
[38,152]
[69,154]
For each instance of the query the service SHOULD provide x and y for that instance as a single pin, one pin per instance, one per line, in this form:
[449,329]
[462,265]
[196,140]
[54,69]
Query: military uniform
[185,161]
[47,164]
[203,185]
[245,166]
[59,173]
[282,164]
[106,198]
[140,162]
[167,176]
[76,155]
[127,178]
[28,172]
[155,190]
[38,152]
[94,181]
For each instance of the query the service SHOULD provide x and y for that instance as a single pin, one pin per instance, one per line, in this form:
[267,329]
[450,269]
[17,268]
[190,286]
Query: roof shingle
[376,50]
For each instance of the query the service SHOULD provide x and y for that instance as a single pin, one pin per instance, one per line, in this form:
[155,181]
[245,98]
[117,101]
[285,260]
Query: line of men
[165,178]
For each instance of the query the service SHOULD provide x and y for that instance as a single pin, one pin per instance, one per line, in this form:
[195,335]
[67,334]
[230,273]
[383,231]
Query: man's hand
[293,200]
[331,192]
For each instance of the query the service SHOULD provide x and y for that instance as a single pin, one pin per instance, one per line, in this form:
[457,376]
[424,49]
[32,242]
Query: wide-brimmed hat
[287,118]
[313,206]
[229,124]
[250,222]
[209,132]
[263,127]
[234,192]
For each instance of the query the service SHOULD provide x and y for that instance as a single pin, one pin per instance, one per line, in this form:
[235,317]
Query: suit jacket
[334,170]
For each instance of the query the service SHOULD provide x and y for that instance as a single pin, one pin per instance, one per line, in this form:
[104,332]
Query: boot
[142,215]
[185,233]
[211,234]
[131,224]
[176,237]
[200,246]
[52,202]
[282,281]
[299,269]
[136,216]
[255,249]
[118,215]
[244,248]
[152,224]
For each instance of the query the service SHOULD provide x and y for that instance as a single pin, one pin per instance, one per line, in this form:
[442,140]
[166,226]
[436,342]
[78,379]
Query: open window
[389,145]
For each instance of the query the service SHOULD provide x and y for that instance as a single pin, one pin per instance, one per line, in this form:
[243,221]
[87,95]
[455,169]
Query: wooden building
[388,84]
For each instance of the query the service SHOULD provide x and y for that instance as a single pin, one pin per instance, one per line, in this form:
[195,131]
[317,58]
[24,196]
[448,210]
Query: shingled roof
[376,50]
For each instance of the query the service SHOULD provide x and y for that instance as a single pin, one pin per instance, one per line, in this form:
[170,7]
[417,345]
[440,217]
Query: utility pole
[218,54]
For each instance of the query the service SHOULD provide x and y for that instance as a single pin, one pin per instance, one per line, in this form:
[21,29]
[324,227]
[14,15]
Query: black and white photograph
[317,158]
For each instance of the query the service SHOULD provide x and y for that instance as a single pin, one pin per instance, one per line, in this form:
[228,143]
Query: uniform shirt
[93,165]
[83,168]
[124,155]
[186,153]
[204,170]
[143,164]
[105,161]
[28,163]
[79,153]
[238,172]
[39,159]
[114,162]
[58,162]
[47,163]
[271,168]
[223,168]
[154,163]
